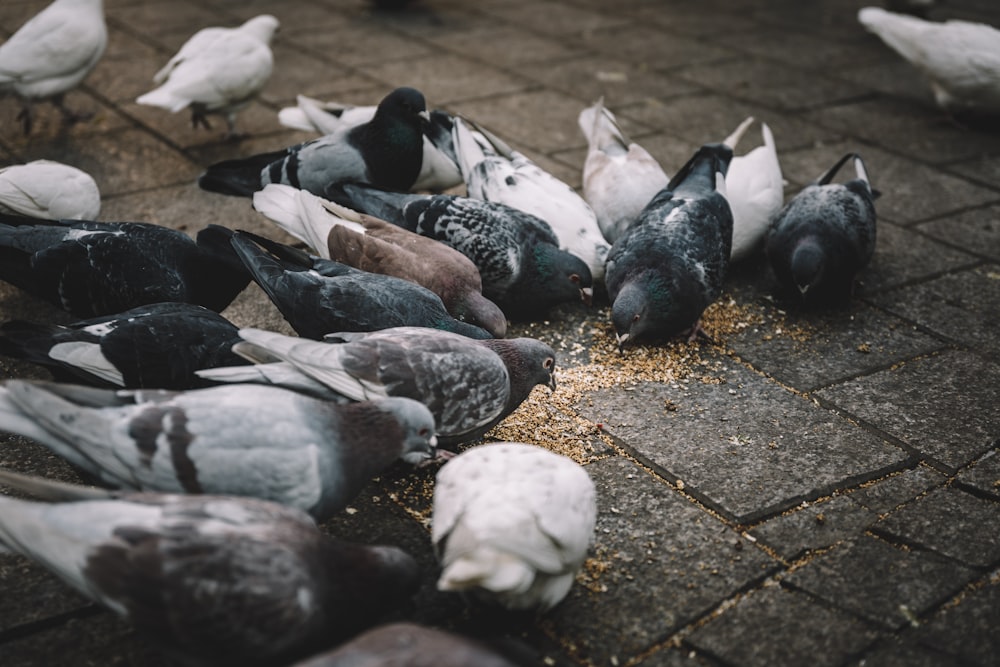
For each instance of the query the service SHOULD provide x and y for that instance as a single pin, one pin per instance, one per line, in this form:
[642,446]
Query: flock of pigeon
[223,447]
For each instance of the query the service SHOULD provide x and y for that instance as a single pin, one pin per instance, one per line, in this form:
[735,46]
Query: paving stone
[950,522]
[892,491]
[816,348]
[976,231]
[964,307]
[803,50]
[553,19]
[493,45]
[903,256]
[880,582]
[678,657]
[985,170]
[648,47]
[895,653]
[781,448]
[983,476]
[255,120]
[943,406]
[814,634]
[355,45]
[311,16]
[158,18]
[659,563]
[20,579]
[815,526]
[894,77]
[968,627]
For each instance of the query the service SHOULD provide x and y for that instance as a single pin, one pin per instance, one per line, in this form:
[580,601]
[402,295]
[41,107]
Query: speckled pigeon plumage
[103,268]
[824,236]
[370,244]
[522,268]
[49,190]
[217,71]
[386,152]
[670,263]
[211,580]
[755,191]
[319,296]
[239,439]
[438,170]
[511,524]
[495,172]
[159,346]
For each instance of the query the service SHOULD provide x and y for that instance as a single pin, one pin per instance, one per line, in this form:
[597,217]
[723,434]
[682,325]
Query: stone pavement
[816,488]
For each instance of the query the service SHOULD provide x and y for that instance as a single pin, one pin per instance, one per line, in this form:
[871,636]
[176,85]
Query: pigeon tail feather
[240,177]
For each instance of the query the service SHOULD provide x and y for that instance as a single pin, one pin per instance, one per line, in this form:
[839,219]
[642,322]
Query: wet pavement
[813,488]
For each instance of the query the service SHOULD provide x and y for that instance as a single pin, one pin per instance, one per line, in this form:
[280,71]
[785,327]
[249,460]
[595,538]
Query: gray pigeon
[386,152]
[469,385]
[159,346]
[319,296]
[244,440]
[824,236]
[518,257]
[669,264]
[211,580]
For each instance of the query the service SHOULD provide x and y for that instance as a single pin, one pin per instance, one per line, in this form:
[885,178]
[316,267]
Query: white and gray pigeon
[619,176]
[368,243]
[52,53]
[438,171]
[960,59]
[386,152]
[755,190]
[239,439]
[512,523]
[825,236]
[468,385]
[670,263]
[49,190]
[521,265]
[495,172]
[159,346]
[217,71]
[210,580]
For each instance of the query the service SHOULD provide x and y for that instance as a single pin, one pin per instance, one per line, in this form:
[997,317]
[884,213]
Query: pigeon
[387,151]
[370,244]
[217,71]
[236,439]
[670,263]
[211,580]
[511,524]
[49,190]
[469,385]
[51,54]
[494,172]
[824,236]
[102,268]
[159,346]
[619,176]
[518,257]
[319,296]
[960,59]
[409,645]
[755,191]
[438,171]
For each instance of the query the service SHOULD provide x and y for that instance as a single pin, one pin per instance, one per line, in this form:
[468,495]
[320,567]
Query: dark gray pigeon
[159,346]
[241,439]
[668,266]
[211,580]
[102,268]
[824,236]
[469,385]
[518,257]
[409,645]
[319,296]
[386,151]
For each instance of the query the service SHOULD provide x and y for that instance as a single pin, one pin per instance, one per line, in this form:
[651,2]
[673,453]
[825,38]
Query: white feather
[755,190]
[49,190]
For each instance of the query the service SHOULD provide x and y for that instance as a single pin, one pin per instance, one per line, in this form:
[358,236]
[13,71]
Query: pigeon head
[559,276]
[808,265]
[262,27]
[474,308]
[408,103]
[529,362]
[419,444]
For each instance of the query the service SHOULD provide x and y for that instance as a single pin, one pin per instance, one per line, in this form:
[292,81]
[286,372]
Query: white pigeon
[495,172]
[755,190]
[619,176]
[52,53]
[49,190]
[960,59]
[217,71]
[438,170]
[512,524]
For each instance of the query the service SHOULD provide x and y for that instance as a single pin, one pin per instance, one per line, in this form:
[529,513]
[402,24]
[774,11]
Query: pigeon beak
[587,295]
[621,342]
[552,382]
[438,455]
[426,115]
[803,289]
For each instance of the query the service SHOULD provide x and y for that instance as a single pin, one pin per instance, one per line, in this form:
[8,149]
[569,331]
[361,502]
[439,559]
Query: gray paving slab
[951,522]
[888,493]
[967,627]
[942,406]
[880,582]
[903,255]
[976,232]
[815,634]
[983,476]
[746,447]
[893,652]
[553,19]
[813,526]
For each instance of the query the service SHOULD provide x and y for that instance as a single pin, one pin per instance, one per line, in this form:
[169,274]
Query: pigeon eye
[635,318]
[574,278]
[423,432]
[548,363]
